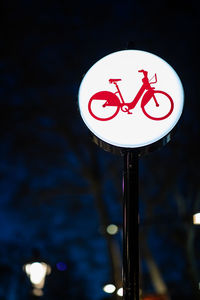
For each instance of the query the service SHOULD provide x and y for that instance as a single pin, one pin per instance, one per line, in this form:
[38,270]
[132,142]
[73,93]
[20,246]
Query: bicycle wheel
[158,107]
[104,106]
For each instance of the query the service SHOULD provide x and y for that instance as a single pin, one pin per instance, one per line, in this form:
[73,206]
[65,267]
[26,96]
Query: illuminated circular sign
[131,99]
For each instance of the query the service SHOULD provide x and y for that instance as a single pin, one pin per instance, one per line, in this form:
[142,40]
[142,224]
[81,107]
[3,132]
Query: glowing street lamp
[37,272]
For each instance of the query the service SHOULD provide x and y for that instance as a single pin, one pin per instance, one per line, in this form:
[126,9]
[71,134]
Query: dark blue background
[58,190]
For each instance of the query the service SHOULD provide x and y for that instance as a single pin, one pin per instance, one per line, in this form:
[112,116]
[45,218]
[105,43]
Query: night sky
[58,190]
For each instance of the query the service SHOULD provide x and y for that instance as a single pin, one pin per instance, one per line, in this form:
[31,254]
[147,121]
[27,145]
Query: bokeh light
[120,292]
[61,266]
[196,219]
[109,288]
[37,272]
[112,229]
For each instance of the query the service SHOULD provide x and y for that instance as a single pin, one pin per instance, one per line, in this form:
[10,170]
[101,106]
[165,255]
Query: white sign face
[131,98]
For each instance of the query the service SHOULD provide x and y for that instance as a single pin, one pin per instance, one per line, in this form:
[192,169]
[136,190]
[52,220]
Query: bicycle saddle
[114,80]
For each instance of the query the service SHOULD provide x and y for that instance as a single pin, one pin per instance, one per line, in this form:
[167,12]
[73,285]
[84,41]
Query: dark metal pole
[130,228]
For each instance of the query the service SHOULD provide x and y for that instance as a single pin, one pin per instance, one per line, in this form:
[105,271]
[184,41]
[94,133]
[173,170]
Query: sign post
[131,101]
[130,227]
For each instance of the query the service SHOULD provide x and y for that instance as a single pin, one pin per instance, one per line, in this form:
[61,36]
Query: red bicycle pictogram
[156,105]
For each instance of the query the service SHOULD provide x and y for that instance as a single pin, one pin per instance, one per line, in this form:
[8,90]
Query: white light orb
[109,288]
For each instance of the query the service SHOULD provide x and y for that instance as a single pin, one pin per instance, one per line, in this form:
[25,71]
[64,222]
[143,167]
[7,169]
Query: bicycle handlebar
[145,76]
[143,71]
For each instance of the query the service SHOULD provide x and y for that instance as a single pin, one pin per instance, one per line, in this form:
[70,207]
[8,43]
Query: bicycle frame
[131,105]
